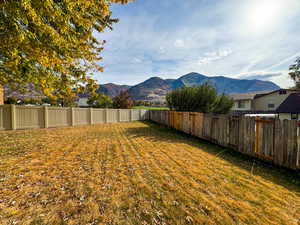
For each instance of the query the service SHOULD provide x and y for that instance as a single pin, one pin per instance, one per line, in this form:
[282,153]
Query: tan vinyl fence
[268,139]
[13,117]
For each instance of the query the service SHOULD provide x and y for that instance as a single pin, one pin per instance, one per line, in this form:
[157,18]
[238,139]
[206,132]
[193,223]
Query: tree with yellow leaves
[52,44]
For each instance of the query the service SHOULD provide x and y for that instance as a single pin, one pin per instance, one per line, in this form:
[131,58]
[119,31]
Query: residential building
[259,102]
[272,100]
[290,107]
[245,101]
[83,102]
[1,96]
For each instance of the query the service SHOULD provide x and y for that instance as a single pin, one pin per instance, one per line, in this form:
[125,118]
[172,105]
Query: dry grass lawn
[137,173]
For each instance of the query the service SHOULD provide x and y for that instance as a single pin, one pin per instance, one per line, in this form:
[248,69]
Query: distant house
[83,102]
[290,107]
[266,101]
[245,101]
[1,96]
[272,100]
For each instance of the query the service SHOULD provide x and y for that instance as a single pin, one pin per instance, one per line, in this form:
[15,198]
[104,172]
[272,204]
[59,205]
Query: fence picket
[273,140]
[28,117]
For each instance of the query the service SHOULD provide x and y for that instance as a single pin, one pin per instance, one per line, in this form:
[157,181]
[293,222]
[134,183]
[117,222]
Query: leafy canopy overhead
[52,43]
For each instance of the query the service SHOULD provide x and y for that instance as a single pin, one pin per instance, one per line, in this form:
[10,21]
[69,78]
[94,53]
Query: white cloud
[284,80]
[213,56]
[137,60]
[211,39]
[286,60]
[260,75]
[179,43]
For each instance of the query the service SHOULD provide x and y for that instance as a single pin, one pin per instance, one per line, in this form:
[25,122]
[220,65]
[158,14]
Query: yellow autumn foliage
[51,43]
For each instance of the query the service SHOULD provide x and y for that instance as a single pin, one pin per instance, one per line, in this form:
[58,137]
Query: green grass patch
[151,107]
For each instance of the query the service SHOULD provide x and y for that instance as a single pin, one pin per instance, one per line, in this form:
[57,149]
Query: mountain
[156,88]
[111,89]
[26,92]
[30,91]
[226,84]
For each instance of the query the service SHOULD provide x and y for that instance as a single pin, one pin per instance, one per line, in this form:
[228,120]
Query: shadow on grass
[290,179]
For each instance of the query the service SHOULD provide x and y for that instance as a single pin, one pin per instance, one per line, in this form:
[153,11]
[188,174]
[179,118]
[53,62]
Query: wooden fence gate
[264,138]
[196,124]
[234,124]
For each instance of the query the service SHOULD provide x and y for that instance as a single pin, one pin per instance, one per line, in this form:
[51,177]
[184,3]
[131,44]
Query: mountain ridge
[156,88]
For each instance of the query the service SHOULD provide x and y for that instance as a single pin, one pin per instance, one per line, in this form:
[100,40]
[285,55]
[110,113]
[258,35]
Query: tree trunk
[1,95]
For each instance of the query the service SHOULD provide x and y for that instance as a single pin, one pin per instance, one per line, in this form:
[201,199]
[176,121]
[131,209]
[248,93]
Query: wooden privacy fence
[269,139]
[14,117]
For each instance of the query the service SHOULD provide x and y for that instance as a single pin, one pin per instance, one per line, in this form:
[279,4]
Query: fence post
[130,115]
[13,117]
[46,125]
[105,116]
[119,115]
[72,117]
[140,114]
[91,116]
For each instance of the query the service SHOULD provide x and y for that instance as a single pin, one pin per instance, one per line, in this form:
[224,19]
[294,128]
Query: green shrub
[10,100]
[203,98]
[123,101]
[100,101]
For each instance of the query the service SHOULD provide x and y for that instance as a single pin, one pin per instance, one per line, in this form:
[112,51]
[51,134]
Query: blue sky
[250,39]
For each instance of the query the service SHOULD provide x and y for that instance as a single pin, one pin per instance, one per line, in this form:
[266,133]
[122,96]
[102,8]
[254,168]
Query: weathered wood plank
[272,140]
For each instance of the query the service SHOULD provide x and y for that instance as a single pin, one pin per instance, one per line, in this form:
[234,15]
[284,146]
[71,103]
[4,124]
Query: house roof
[246,95]
[271,92]
[291,104]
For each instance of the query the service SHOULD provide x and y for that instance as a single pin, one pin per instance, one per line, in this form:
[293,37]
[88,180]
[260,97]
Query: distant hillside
[225,84]
[111,89]
[27,92]
[156,88]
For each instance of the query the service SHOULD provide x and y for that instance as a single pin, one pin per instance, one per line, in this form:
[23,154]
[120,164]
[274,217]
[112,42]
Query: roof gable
[272,92]
[246,95]
[291,104]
